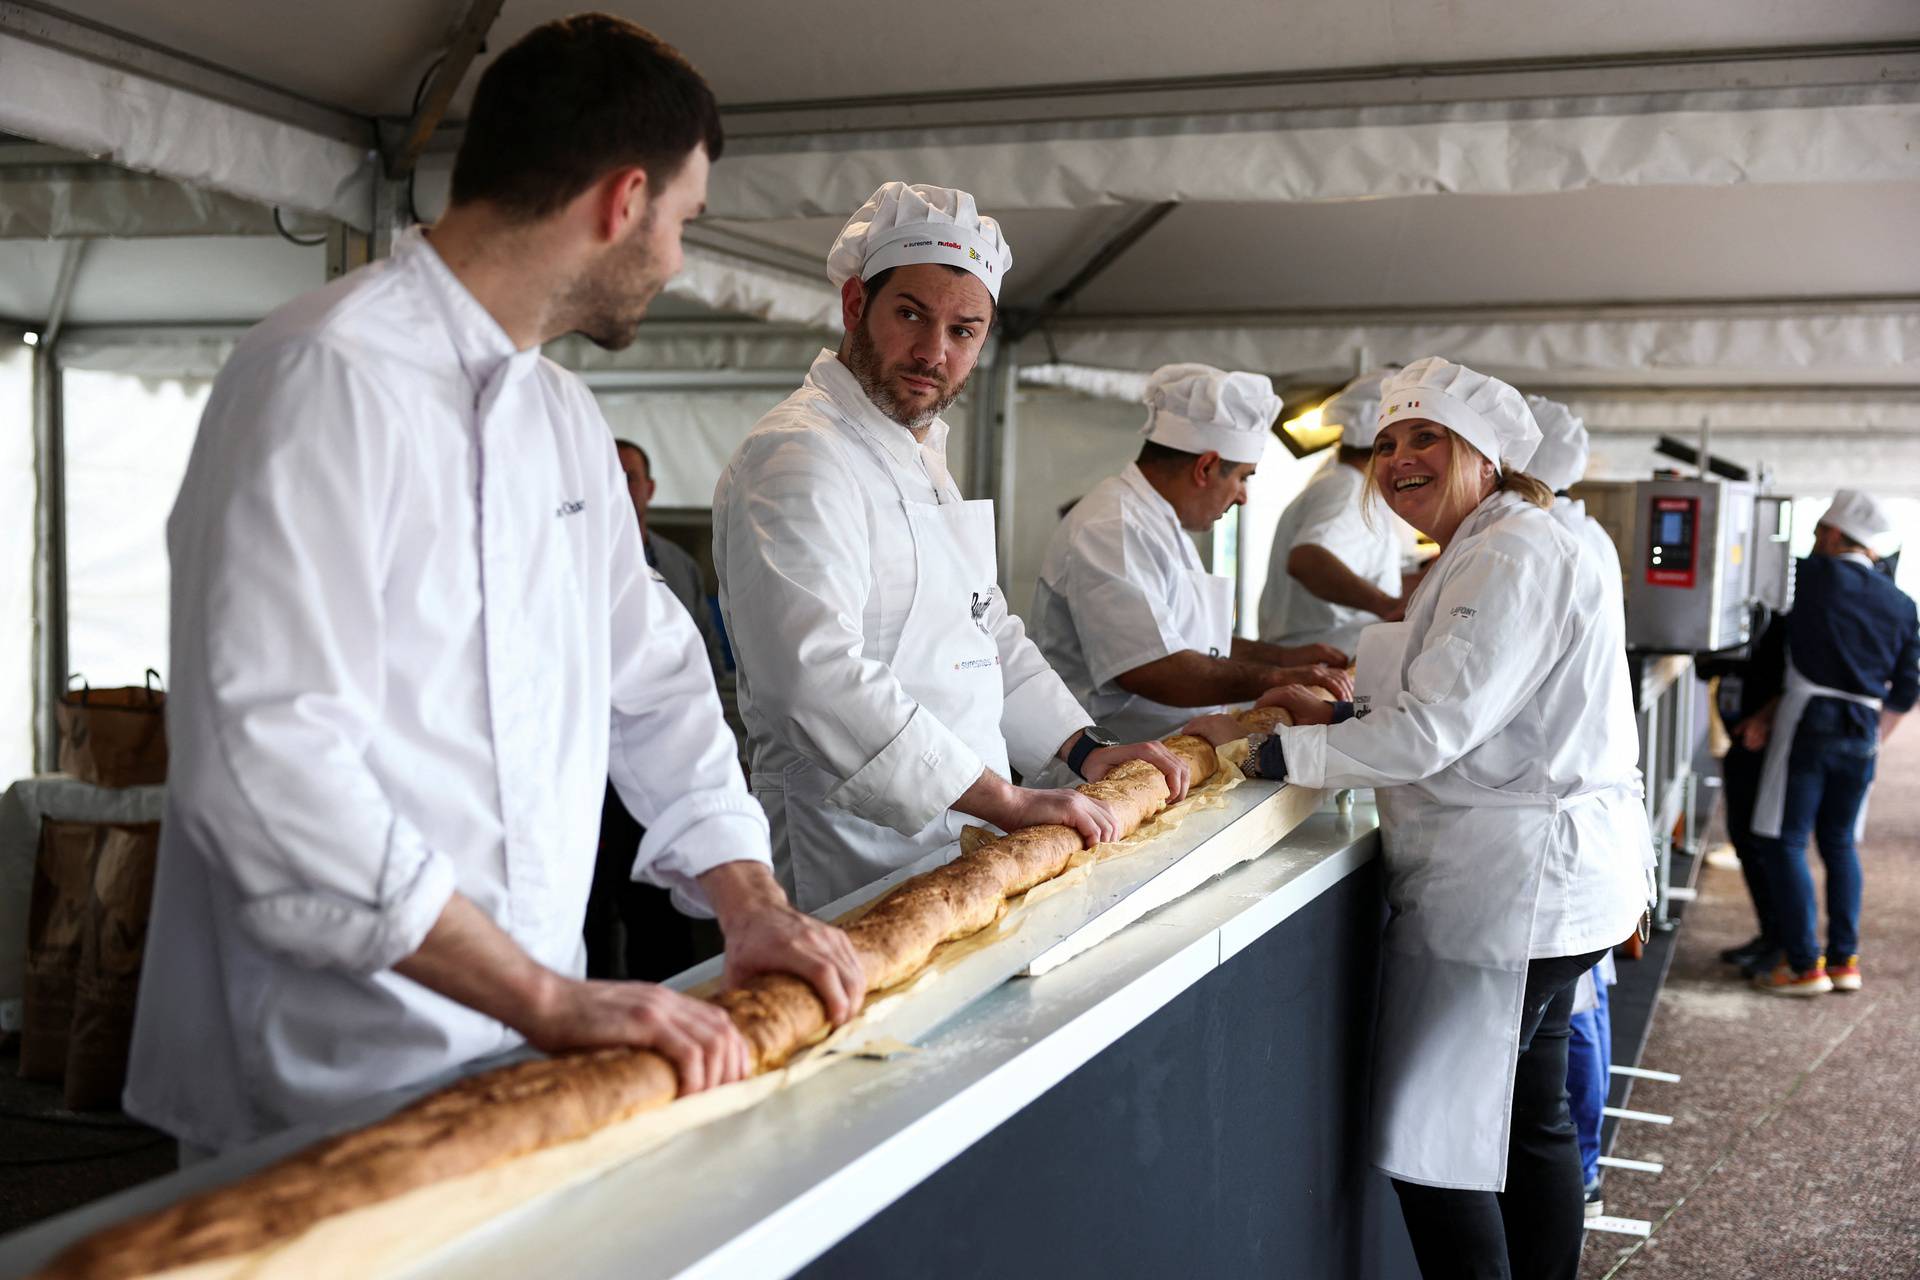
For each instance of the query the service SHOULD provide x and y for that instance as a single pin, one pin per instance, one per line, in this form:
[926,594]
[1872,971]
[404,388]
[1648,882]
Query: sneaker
[1596,1207]
[1846,976]
[1785,980]
[1747,951]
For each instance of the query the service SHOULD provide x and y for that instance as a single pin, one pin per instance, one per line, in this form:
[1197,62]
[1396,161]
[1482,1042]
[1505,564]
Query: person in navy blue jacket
[1853,669]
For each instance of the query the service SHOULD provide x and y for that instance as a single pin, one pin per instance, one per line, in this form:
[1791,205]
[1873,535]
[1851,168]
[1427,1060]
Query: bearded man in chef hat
[888,692]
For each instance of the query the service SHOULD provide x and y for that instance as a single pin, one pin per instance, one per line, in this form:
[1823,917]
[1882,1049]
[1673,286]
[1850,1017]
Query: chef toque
[902,224]
[1355,409]
[1561,459]
[1200,409]
[1485,412]
[1861,517]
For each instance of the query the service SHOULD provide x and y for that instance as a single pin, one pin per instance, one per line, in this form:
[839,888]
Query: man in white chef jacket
[1335,567]
[413,633]
[1125,610]
[885,686]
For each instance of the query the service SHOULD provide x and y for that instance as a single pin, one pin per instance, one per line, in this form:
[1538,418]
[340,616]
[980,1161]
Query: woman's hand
[1219,728]
[1335,680]
[1303,704]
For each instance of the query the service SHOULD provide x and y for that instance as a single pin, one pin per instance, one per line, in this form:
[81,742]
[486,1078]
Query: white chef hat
[1861,517]
[902,224]
[1355,409]
[1561,458]
[1201,409]
[1485,412]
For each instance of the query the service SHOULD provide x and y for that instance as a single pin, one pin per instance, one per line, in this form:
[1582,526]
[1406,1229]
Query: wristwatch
[1091,739]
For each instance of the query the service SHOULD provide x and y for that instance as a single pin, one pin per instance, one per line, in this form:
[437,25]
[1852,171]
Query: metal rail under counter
[1188,1097]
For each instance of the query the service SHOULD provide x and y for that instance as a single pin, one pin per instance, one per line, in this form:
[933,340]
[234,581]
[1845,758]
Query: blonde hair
[1459,483]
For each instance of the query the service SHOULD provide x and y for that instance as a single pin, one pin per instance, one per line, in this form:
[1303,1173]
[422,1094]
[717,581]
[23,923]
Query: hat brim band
[1449,411]
[945,246]
[1176,432]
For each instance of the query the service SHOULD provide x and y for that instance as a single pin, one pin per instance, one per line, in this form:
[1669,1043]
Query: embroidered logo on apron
[980,604]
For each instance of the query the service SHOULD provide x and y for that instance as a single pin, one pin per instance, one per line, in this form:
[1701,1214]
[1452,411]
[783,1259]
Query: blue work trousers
[1589,1059]
[1828,774]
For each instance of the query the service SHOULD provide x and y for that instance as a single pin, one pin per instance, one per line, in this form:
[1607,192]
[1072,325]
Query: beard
[608,302]
[863,358]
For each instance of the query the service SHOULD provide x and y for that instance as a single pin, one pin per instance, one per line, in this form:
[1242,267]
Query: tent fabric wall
[82,105]
[18,484]
[1488,148]
[1778,345]
[127,442]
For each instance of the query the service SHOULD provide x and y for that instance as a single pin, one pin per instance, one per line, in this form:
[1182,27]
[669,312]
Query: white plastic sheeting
[1773,345]
[59,201]
[733,286]
[17,488]
[127,441]
[1336,155]
[71,102]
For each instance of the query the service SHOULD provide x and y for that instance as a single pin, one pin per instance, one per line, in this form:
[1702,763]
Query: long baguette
[512,1111]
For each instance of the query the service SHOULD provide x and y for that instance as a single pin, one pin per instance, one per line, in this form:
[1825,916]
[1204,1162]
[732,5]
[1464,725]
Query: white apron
[1770,802]
[1464,887]
[947,661]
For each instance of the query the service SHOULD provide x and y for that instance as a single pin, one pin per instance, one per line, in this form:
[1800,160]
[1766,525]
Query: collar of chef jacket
[1137,480]
[478,340]
[840,386]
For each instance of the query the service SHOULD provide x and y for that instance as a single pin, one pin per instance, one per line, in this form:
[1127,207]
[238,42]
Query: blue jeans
[1589,1055]
[1828,774]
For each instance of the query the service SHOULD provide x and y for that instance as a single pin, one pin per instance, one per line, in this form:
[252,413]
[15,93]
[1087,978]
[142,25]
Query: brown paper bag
[114,737]
[56,925]
[112,942]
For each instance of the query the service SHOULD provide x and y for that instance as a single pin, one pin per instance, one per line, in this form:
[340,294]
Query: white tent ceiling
[1315,178]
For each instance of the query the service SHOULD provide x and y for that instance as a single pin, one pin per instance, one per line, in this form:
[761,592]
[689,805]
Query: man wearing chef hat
[1853,669]
[1335,567]
[885,686]
[1124,608]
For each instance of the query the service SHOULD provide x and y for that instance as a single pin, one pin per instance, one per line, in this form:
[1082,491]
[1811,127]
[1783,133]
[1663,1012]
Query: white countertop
[764,1192]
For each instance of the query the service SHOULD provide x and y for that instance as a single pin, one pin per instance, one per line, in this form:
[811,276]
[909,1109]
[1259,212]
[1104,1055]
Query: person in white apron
[1124,609]
[1335,565]
[1852,670]
[886,689]
[1497,724]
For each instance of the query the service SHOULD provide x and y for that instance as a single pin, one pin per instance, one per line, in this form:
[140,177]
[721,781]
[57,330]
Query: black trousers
[633,930]
[1533,1229]
[1740,789]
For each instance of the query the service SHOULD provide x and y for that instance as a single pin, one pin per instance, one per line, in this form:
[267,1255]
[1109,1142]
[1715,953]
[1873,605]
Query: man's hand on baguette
[1099,763]
[698,1038]
[765,934]
[468,958]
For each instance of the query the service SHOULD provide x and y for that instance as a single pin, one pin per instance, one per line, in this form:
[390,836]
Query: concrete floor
[1795,1147]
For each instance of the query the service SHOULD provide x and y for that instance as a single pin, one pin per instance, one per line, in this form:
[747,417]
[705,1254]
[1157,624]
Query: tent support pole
[468,37]
[990,461]
[50,518]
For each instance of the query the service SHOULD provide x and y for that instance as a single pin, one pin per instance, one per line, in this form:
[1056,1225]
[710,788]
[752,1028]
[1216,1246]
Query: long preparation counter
[1188,1097]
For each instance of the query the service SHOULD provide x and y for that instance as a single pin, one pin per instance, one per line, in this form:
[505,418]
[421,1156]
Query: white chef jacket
[1514,689]
[1572,513]
[681,572]
[1118,590]
[816,575]
[412,635]
[1328,514]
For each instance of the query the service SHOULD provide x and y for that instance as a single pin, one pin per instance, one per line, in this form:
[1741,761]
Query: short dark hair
[573,100]
[628,444]
[878,281]
[1155,454]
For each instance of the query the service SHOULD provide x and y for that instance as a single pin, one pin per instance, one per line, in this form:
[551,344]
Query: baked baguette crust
[513,1111]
